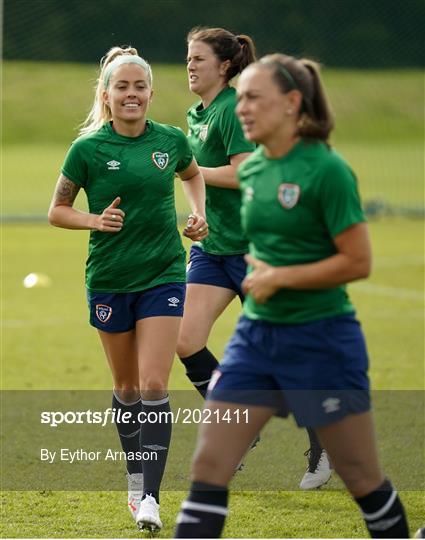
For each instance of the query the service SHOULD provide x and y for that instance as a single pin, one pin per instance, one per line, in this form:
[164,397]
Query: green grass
[47,343]
[269,515]
[50,317]
[379,116]
[46,102]
[390,173]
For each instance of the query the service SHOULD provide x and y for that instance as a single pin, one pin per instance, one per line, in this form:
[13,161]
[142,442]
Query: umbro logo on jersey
[203,132]
[288,195]
[331,405]
[160,159]
[113,165]
[103,312]
[173,301]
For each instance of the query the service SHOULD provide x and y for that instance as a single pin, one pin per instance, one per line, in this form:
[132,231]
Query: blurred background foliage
[349,33]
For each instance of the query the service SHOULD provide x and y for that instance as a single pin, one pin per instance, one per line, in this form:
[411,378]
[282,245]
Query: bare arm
[225,176]
[353,261]
[194,190]
[62,214]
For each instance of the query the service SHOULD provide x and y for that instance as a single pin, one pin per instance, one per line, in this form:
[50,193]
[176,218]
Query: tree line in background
[340,33]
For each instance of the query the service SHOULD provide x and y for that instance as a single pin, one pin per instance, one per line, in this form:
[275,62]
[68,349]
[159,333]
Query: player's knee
[184,346]
[127,393]
[358,477]
[153,386]
[187,345]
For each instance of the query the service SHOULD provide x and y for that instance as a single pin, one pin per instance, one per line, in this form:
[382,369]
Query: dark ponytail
[316,120]
[315,116]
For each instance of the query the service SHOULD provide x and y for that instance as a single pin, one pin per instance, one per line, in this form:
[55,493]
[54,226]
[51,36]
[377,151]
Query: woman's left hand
[260,283]
[196,228]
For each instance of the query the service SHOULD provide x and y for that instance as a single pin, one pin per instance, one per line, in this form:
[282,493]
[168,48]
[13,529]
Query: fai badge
[203,132]
[103,313]
[288,195]
[160,159]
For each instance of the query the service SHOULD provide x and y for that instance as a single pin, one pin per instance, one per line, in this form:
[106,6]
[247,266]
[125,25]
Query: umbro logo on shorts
[331,404]
[103,312]
[173,301]
[113,165]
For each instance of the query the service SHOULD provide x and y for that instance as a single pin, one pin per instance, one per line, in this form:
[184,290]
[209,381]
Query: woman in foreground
[298,347]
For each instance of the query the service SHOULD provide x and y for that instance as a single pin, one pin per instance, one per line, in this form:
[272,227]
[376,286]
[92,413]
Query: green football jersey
[148,250]
[215,134]
[292,209]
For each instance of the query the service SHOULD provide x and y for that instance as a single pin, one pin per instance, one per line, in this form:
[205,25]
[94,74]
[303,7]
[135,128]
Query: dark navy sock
[155,439]
[129,433]
[314,441]
[199,368]
[383,513]
[203,513]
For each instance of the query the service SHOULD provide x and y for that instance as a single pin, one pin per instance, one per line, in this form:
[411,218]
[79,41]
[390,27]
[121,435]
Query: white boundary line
[392,292]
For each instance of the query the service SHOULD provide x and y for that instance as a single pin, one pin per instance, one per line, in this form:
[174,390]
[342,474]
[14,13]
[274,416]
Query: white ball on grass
[36,280]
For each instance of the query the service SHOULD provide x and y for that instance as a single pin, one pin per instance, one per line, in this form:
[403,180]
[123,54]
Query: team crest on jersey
[103,312]
[160,159]
[288,195]
[203,132]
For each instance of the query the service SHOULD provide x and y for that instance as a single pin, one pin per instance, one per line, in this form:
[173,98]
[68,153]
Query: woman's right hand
[196,228]
[111,219]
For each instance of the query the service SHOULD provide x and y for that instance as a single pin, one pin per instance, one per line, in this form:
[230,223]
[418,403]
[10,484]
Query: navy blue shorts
[226,271]
[317,370]
[118,312]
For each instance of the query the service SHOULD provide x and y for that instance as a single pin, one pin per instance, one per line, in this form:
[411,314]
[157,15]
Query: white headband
[125,59]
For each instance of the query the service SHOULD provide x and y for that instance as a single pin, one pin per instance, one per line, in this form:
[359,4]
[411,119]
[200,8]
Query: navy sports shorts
[317,371]
[226,271]
[118,312]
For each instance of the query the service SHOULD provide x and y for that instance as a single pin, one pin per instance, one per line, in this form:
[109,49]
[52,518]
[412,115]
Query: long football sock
[314,441]
[155,438]
[203,514]
[383,513]
[199,368]
[129,433]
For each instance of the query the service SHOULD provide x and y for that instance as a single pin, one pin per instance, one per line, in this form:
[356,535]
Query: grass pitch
[379,127]
[47,343]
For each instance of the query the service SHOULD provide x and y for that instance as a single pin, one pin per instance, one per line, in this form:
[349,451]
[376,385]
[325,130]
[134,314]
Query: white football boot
[135,492]
[241,463]
[148,515]
[319,470]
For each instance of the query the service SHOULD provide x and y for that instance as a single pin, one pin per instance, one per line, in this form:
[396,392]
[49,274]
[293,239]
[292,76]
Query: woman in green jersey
[135,272]
[217,267]
[298,347]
